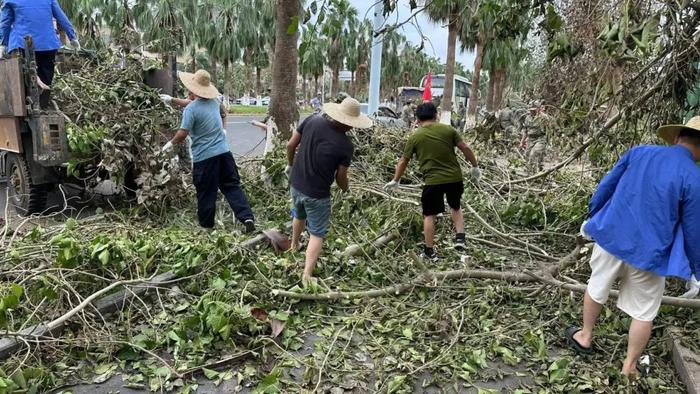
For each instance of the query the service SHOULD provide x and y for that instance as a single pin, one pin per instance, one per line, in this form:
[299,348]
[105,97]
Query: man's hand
[166,147]
[75,44]
[166,98]
[693,286]
[475,174]
[3,50]
[288,170]
[583,232]
[391,186]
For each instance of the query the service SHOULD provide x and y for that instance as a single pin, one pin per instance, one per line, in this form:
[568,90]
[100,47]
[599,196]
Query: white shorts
[640,291]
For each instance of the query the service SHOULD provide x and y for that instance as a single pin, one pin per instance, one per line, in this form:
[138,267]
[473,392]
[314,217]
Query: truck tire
[26,197]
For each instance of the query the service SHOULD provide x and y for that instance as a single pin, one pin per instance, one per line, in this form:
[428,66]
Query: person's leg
[458,220]
[429,231]
[45,66]
[230,186]
[297,228]
[432,200]
[313,251]
[318,213]
[591,311]
[205,179]
[454,193]
[639,334]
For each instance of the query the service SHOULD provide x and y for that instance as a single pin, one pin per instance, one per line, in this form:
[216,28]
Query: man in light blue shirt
[34,18]
[213,165]
[645,220]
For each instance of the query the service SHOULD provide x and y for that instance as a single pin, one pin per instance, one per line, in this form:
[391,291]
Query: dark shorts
[433,198]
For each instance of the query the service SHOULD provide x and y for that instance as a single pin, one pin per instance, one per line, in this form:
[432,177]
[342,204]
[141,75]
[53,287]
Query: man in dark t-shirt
[324,155]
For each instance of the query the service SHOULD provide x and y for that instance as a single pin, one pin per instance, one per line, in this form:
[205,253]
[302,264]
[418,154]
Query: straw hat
[348,113]
[199,84]
[670,132]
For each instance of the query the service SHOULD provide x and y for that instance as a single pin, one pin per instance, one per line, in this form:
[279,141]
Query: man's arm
[6,21]
[607,186]
[62,20]
[468,153]
[401,168]
[182,103]
[341,178]
[690,222]
[180,136]
[292,147]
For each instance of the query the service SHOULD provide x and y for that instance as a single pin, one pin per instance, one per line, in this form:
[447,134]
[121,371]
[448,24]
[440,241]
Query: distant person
[324,156]
[434,145]
[645,221]
[214,167]
[316,103]
[534,135]
[34,18]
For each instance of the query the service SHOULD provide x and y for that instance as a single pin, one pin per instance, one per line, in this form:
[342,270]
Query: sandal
[574,343]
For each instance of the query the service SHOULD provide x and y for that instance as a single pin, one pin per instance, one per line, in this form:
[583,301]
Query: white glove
[288,169]
[583,232]
[475,173]
[3,50]
[166,147]
[693,286]
[391,186]
[75,44]
[166,98]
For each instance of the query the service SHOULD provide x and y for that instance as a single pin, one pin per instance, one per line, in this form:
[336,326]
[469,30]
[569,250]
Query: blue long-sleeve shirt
[20,18]
[646,211]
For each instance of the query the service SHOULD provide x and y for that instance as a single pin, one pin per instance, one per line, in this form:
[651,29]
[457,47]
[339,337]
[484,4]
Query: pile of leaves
[223,321]
[116,127]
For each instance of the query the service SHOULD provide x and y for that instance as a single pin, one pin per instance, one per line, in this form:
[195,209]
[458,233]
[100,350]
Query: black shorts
[433,198]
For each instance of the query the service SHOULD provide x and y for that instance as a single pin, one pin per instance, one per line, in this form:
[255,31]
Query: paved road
[244,139]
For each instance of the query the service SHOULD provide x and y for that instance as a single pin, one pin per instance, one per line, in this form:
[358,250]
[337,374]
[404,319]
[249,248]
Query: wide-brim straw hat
[669,133]
[199,84]
[348,113]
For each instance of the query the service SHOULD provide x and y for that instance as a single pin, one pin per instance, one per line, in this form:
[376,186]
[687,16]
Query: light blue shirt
[20,18]
[201,118]
[646,211]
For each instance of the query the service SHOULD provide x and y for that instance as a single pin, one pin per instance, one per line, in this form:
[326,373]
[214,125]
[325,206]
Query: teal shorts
[316,212]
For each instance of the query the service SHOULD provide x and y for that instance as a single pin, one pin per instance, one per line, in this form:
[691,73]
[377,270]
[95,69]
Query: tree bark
[492,90]
[452,29]
[335,85]
[304,89]
[316,91]
[258,82]
[283,106]
[500,88]
[474,94]
[214,71]
[248,60]
[353,90]
[227,88]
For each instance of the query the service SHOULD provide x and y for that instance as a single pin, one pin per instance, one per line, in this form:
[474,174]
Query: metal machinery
[33,141]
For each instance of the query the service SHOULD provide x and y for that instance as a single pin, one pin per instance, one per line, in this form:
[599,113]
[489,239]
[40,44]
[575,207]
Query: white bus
[460,92]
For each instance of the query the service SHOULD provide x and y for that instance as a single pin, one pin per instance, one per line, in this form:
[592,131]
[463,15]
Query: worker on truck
[34,18]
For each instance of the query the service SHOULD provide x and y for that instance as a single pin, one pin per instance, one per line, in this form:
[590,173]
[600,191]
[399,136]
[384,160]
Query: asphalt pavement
[244,139]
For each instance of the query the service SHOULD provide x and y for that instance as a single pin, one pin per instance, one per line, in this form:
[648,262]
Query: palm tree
[312,56]
[221,39]
[283,104]
[451,12]
[391,66]
[342,18]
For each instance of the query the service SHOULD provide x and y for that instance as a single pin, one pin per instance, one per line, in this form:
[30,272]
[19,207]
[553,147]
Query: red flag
[427,94]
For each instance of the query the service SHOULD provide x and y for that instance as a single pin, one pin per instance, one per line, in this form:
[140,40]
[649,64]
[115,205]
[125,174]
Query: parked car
[265,100]
[384,116]
[246,100]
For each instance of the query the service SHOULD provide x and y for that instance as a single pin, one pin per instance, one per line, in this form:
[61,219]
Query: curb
[686,362]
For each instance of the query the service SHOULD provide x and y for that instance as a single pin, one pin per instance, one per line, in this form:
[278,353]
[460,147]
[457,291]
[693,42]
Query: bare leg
[639,334]
[297,229]
[429,231]
[591,311]
[312,253]
[458,220]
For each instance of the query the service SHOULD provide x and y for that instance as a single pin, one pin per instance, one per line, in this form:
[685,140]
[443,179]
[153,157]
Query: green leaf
[407,333]
[395,384]
[210,373]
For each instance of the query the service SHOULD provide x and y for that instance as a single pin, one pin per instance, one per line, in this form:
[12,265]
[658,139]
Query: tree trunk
[492,90]
[283,106]
[474,94]
[304,90]
[173,72]
[335,85]
[227,88]
[248,60]
[214,71]
[258,82]
[194,60]
[316,91]
[352,84]
[500,88]
[453,29]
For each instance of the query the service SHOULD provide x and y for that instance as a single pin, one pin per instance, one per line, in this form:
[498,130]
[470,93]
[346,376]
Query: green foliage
[10,295]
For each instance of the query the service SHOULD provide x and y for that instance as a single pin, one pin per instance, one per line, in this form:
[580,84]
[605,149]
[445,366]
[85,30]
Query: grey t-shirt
[322,149]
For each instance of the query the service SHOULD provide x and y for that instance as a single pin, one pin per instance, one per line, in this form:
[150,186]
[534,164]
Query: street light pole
[375,71]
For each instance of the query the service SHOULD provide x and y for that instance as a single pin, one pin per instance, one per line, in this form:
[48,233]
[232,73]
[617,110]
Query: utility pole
[375,71]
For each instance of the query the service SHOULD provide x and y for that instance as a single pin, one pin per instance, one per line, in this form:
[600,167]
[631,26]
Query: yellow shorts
[640,291]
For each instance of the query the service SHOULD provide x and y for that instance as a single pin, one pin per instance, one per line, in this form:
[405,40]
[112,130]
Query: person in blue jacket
[20,18]
[645,221]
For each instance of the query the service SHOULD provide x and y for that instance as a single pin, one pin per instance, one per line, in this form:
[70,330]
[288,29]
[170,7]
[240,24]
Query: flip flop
[570,331]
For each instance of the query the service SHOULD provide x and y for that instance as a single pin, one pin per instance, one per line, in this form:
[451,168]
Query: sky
[436,44]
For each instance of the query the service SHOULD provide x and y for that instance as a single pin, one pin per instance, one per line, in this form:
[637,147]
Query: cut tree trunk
[258,82]
[474,94]
[283,106]
[500,88]
[492,91]
[452,29]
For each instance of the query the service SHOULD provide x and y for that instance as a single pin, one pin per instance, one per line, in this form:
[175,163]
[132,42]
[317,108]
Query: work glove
[288,170]
[583,232]
[75,44]
[3,50]
[693,287]
[475,174]
[166,147]
[166,98]
[391,186]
